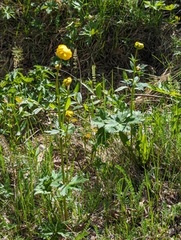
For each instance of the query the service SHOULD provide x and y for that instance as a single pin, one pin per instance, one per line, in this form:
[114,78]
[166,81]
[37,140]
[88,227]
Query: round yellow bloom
[69,114]
[67,81]
[63,52]
[139,45]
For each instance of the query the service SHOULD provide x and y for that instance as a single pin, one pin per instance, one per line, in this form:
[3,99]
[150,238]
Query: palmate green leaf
[63,191]
[98,122]
[122,116]
[136,118]
[118,123]
[76,180]
[54,184]
[112,126]
[44,186]
[126,118]
[74,184]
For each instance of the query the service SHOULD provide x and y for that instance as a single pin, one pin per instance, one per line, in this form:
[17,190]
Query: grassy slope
[133,174]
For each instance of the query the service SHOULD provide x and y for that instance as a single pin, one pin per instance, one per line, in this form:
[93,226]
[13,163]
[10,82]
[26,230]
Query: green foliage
[54,186]
[120,123]
[24,98]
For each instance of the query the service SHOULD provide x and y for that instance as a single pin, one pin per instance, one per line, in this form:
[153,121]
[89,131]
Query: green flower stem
[60,122]
[132,104]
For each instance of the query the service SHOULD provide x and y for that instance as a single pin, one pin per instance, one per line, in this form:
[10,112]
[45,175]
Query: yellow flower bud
[74,120]
[67,81]
[57,67]
[63,52]
[139,45]
[88,135]
[69,114]
[138,68]
[19,99]
[177,18]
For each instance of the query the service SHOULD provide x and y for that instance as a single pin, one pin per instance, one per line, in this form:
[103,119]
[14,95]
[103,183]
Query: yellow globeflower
[67,81]
[139,45]
[69,114]
[63,52]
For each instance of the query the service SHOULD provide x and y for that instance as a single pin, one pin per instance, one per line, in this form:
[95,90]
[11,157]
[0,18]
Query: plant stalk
[60,122]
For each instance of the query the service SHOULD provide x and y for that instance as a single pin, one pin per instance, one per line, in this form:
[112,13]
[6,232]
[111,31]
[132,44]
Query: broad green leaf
[79,97]
[99,90]
[53,132]
[77,87]
[28,79]
[37,110]
[125,76]
[68,103]
[121,88]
